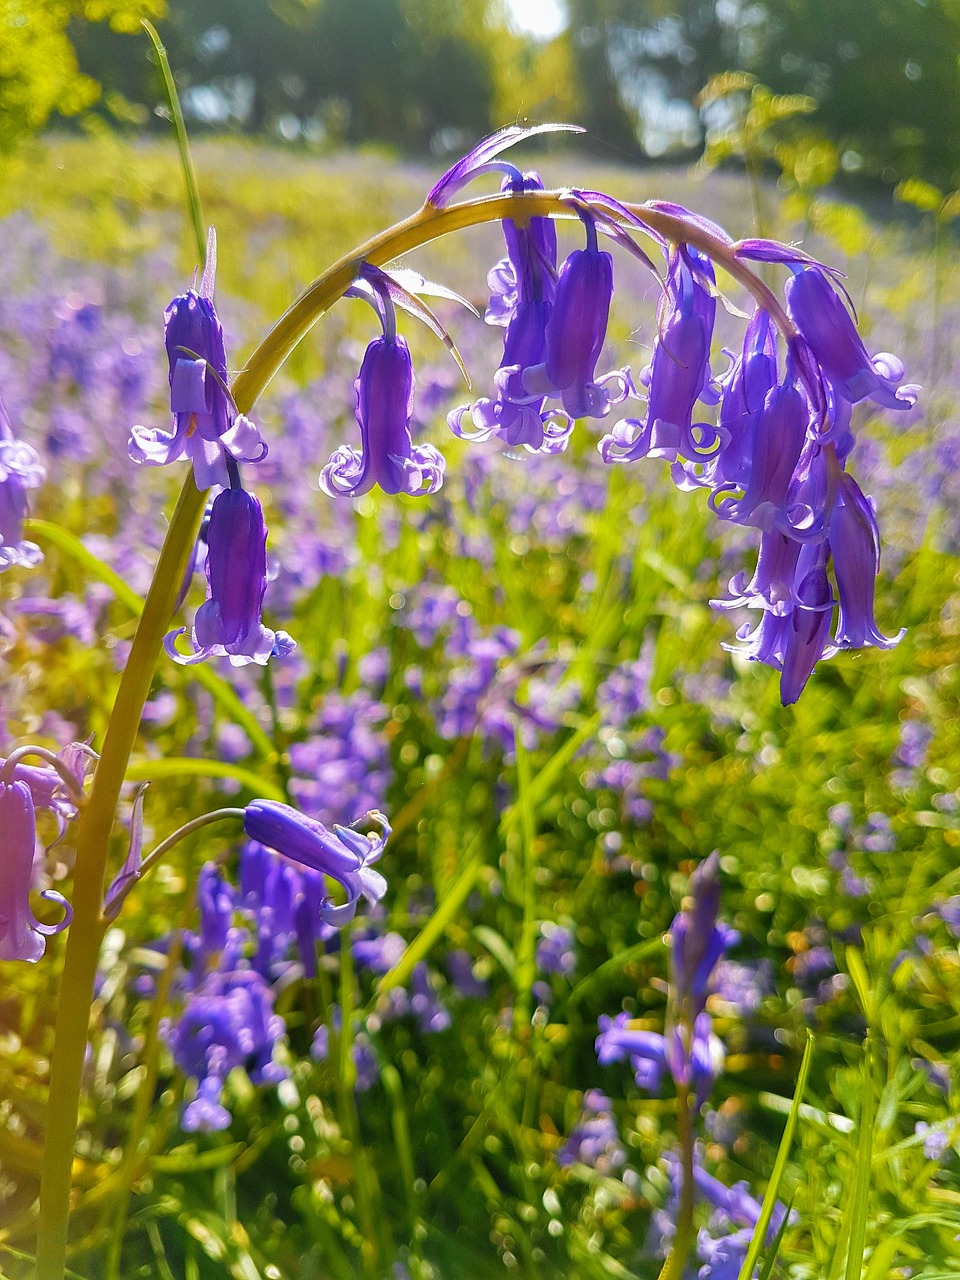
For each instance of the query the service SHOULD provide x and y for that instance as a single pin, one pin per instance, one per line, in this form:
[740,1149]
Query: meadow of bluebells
[542,658]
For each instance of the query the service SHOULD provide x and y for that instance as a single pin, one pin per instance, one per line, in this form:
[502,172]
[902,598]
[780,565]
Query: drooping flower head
[576,331]
[387,456]
[679,373]
[523,287]
[230,621]
[207,429]
[22,937]
[344,854]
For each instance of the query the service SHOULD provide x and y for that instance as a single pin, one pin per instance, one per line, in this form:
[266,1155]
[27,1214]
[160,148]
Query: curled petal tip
[475,161]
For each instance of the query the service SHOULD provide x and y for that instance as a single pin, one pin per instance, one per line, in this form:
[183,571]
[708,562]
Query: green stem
[684,1234]
[136,1150]
[96,821]
[93,841]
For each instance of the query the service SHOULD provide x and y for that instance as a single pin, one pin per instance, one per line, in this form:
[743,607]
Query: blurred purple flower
[20,470]
[594,1140]
[227,1022]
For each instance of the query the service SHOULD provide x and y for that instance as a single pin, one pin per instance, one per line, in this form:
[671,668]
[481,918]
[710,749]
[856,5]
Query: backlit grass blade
[188,767]
[773,1186]
[861,1194]
[186,160]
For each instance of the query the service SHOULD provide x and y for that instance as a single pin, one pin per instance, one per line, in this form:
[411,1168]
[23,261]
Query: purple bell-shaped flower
[824,321]
[387,456]
[230,622]
[855,544]
[207,427]
[343,854]
[576,332]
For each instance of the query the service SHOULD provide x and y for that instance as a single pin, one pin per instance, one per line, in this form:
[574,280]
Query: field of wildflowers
[560,1036]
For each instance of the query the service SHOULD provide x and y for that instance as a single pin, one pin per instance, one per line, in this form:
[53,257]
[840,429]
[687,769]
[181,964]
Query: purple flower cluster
[775,460]
[594,1140]
[344,765]
[242,949]
[488,688]
[723,1243]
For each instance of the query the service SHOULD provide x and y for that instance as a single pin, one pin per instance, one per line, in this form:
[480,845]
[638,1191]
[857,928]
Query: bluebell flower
[693,1060]
[216,943]
[431,1014]
[777,438]
[744,389]
[793,642]
[689,1051]
[679,373]
[46,786]
[343,854]
[647,1050]
[227,1022]
[208,429]
[22,937]
[774,582]
[379,953]
[557,950]
[20,470]
[460,967]
[229,622]
[365,1064]
[575,334]
[387,456]
[523,287]
[594,1140]
[698,940]
[819,314]
[855,544]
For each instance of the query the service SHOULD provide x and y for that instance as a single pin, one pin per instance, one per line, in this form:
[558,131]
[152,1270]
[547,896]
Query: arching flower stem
[97,818]
[136,873]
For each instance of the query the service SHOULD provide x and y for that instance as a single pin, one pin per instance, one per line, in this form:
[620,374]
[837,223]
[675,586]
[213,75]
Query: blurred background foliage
[881,80]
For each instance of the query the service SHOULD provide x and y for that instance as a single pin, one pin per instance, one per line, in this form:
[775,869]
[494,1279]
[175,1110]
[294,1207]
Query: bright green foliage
[39,75]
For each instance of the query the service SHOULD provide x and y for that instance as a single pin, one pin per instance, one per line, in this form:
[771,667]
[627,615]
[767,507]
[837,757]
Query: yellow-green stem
[96,822]
[93,840]
[683,1232]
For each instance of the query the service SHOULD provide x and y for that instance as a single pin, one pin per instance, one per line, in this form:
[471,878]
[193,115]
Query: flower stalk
[99,813]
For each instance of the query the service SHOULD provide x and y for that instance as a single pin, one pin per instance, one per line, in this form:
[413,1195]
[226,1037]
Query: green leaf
[187,767]
[186,161]
[922,195]
[779,1165]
